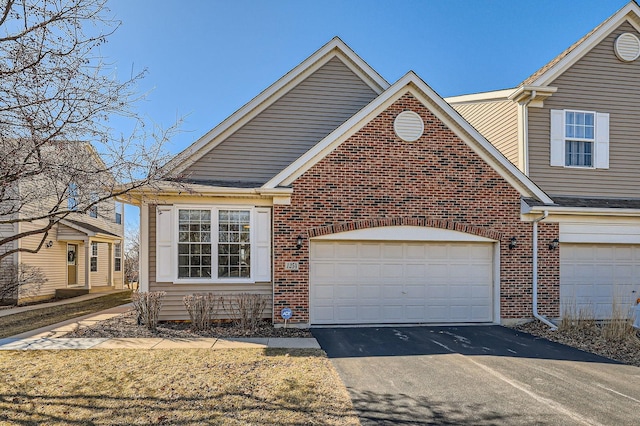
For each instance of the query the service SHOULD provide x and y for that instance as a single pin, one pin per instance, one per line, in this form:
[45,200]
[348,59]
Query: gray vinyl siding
[497,121]
[173,307]
[288,128]
[602,83]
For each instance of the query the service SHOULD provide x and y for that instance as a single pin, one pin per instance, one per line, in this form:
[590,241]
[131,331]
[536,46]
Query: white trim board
[404,233]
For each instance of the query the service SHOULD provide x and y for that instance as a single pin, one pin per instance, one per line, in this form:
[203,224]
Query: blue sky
[208,58]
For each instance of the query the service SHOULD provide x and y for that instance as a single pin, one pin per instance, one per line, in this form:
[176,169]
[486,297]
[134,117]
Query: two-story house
[83,251]
[573,127]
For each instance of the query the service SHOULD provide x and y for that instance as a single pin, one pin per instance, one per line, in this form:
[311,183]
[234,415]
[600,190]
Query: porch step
[66,293]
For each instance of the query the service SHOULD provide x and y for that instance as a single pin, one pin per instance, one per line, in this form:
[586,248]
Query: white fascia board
[137,196]
[409,83]
[613,22]
[496,95]
[582,211]
[215,136]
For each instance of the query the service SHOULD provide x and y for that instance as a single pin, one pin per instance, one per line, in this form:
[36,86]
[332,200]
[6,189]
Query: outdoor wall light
[49,244]
[299,242]
[554,244]
[512,243]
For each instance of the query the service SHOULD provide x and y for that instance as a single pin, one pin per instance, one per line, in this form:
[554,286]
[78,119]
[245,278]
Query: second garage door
[595,276]
[355,282]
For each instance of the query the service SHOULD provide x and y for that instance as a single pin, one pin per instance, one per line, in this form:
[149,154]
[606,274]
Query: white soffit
[404,233]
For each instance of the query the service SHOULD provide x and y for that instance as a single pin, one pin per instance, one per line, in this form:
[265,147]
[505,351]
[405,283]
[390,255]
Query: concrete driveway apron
[477,375]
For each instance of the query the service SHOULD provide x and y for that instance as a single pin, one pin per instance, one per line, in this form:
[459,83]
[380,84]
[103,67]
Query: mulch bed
[589,339]
[126,325]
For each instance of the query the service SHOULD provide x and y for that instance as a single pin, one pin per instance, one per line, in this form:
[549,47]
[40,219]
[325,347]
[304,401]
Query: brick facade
[376,179]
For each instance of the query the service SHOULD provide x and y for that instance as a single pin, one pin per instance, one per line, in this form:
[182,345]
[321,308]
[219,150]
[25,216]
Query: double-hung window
[94,257]
[214,243]
[117,257]
[579,139]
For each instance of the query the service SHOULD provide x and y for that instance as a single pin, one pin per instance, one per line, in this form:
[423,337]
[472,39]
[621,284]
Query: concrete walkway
[18,309]
[52,337]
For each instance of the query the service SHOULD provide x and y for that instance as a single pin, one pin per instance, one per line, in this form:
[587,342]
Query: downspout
[535,272]
[525,133]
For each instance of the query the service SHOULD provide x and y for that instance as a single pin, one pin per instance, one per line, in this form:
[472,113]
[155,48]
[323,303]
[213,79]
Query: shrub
[20,281]
[201,308]
[147,306]
[245,309]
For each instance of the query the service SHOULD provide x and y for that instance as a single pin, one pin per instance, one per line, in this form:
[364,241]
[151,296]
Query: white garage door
[400,282]
[593,276]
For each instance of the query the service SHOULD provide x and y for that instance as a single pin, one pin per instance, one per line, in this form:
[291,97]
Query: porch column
[87,263]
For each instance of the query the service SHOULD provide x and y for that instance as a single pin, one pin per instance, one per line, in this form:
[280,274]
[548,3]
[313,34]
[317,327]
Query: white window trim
[117,257]
[94,254]
[593,141]
[600,149]
[214,244]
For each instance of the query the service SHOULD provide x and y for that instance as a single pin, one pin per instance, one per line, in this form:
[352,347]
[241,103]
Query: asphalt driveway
[477,375]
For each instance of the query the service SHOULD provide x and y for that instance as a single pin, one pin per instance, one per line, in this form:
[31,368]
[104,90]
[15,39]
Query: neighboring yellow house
[83,252]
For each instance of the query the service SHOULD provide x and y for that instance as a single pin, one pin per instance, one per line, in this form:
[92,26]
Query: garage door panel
[594,277]
[392,251]
[400,282]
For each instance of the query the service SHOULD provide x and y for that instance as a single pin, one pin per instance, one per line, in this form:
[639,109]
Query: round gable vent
[627,47]
[408,126]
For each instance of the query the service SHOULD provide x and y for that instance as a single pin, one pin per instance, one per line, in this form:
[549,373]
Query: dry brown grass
[11,325]
[218,387]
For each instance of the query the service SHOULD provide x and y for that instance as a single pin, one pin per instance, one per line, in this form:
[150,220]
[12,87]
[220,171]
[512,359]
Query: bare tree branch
[59,154]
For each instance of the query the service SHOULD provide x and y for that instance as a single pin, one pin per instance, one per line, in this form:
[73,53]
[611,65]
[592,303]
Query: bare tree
[131,257]
[56,90]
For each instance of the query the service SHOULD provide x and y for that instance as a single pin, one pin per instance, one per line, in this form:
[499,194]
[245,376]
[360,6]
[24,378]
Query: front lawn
[187,386]
[11,325]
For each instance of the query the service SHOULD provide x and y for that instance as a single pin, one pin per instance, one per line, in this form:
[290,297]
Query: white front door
[354,282]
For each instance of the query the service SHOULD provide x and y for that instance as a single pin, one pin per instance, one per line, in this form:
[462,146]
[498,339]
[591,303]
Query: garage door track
[477,375]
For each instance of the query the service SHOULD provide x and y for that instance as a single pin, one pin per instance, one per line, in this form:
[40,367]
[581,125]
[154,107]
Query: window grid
[117,256]
[194,244]
[94,257]
[234,244]
[579,138]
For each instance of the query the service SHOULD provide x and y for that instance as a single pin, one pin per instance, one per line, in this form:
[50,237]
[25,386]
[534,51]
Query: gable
[285,130]
[598,82]
[544,76]
[375,169]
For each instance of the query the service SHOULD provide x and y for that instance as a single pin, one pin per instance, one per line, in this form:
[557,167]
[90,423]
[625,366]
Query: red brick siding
[374,178]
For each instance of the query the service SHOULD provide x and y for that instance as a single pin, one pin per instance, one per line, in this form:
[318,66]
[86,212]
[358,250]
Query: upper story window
[579,139]
[118,215]
[93,209]
[72,196]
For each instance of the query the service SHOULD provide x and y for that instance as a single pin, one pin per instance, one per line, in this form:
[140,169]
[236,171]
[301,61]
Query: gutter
[535,273]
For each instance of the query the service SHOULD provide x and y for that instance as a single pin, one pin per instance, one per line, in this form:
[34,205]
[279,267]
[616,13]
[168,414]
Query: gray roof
[91,228]
[611,203]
